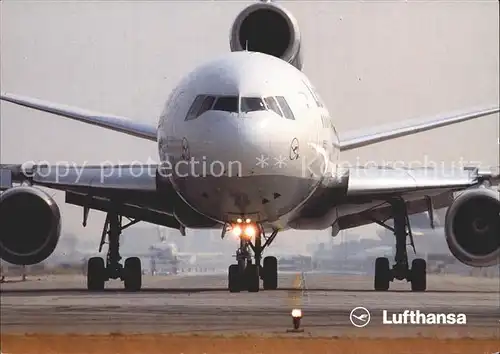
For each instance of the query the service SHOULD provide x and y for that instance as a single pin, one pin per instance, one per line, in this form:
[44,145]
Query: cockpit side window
[195,107]
[201,104]
[208,102]
[317,98]
[227,104]
[314,95]
[251,104]
[273,105]
[287,111]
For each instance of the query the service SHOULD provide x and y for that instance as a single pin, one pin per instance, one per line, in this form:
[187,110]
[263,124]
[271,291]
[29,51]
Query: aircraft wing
[131,190]
[356,139]
[367,191]
[108,121]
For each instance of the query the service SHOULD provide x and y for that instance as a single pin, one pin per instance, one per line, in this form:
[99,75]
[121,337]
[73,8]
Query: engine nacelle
[267,28]
[472,228]
[30,225]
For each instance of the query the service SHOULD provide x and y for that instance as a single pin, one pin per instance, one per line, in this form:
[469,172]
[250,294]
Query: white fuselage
[239,158]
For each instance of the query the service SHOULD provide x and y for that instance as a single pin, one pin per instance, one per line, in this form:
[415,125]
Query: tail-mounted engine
[30,225]
[267,28]
[473,228]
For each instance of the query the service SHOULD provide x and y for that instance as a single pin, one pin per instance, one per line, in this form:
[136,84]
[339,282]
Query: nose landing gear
[384,274]
[246,275]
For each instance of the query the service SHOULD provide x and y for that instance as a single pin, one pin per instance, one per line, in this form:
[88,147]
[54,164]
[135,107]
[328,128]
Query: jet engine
[30,225]
[472,227]
[267,28]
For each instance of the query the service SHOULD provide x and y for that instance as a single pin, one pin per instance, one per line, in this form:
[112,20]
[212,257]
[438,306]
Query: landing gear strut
[98,271]
[246,275]
[384,274]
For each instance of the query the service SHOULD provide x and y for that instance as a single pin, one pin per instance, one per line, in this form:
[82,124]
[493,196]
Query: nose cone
[238,172]
[256,145]
[238,145]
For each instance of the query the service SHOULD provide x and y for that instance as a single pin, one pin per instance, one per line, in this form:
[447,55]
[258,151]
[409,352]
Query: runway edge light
[296,317]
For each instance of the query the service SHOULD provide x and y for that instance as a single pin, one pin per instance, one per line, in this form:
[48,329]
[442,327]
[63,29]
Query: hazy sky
[372,62]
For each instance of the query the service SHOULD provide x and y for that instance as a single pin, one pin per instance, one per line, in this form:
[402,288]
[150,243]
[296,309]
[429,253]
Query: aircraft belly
[261,198]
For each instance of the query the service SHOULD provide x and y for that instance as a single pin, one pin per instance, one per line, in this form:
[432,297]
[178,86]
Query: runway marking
[299,291]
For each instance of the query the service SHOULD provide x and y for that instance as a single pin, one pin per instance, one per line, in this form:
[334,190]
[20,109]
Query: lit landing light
[247,231]
[296,317]
[250,231]
[237,231]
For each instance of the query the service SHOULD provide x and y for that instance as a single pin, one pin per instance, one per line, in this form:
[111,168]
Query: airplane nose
[255,146]
[239,146]
[221,147]
[240,171]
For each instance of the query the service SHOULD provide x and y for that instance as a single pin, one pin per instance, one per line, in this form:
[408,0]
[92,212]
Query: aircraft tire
[132,274]
[234,279]
[270,276]
[418,274]
[382,274]
[252,278]
[96,271]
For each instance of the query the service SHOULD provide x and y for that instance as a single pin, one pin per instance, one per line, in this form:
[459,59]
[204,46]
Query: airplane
[169,251]
[254,110]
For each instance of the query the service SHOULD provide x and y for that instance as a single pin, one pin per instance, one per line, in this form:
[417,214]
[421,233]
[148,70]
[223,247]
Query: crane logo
[360,317]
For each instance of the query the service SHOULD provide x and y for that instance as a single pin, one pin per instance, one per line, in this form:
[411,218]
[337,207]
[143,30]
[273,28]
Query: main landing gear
[246,275]
[98,272]
[384,274]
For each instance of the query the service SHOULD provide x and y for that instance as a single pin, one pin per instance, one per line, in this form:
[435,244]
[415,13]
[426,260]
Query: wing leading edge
[108,121]
[353,140]
[348,141]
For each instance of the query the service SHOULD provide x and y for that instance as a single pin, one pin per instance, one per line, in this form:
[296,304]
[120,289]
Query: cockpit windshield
[227,104]
[251,104]
[203,103]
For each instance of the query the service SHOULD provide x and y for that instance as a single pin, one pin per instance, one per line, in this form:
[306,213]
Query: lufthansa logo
[185,150]
[359,317]
[294,149]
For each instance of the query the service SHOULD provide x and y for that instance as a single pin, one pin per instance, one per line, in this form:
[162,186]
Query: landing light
[248,221]
[239,221]
[247,231]
[250,231]
[237,231]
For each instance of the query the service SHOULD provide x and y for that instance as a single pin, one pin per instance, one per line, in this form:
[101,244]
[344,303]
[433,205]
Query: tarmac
[201,304]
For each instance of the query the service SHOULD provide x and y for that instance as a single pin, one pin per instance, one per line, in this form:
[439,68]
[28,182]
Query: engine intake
[267,28]
[30,225]
[473,228]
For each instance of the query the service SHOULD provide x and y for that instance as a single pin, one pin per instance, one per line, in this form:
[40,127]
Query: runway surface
[201,304]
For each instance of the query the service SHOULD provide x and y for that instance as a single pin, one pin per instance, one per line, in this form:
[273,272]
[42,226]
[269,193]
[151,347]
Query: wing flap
[108,121]
[384,211]
[357,139]
[422,189]
[143,210]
